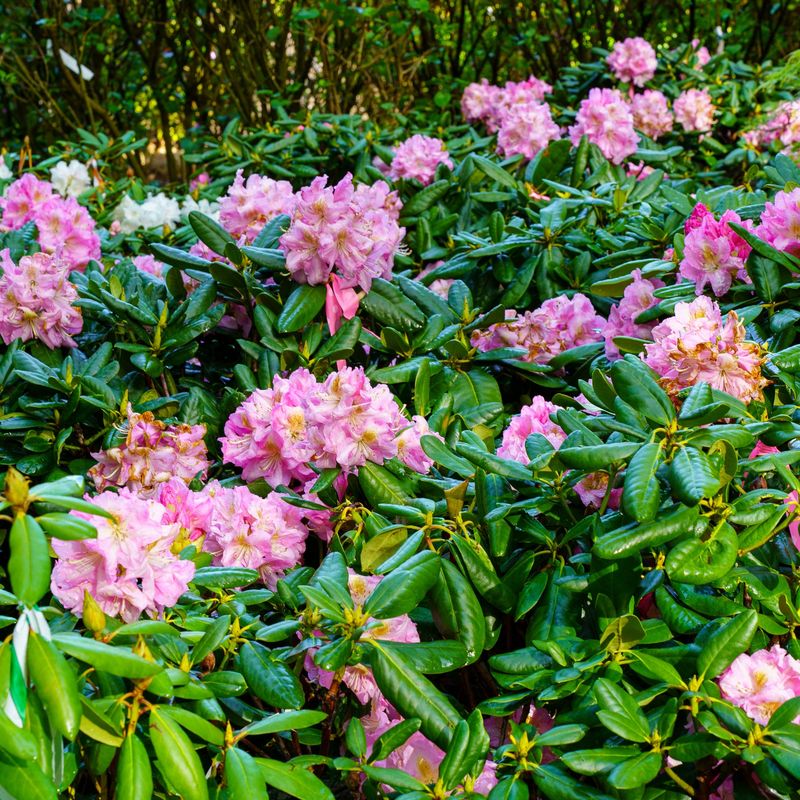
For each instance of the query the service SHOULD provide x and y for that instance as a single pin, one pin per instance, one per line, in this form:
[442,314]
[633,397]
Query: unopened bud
[16,489]
[93,617]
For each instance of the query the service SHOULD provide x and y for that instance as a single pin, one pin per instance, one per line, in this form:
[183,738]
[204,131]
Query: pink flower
[352,230]
[409,449]
[592,489]
[780,222]
[606,119]
[633,60]
[713,252]
[698,345]
[695,110]
[479,101]
[36,301]
[191,510]
[203,179]
[152,453]
[148,264]
[557,325]
[637,298]
[250,204]
[65,227]
[525,129]
[701,54]
[533,418]
[21,200]
[792,500]
[418,157]
[440,286]
[344,421]
[651,114]
[130,568]
[761,682]
[262,533]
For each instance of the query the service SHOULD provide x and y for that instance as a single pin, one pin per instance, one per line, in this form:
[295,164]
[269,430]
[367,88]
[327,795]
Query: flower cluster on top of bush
[531,381]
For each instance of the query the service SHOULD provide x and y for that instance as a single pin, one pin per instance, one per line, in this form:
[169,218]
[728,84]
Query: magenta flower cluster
[637,298]
[557,325]
[633,60]
[418,157]
[348,231]
[249,204]
[36,300]
[606,120]
[713,253]
[63,225]
[780,222]
[344,421]
[151,454]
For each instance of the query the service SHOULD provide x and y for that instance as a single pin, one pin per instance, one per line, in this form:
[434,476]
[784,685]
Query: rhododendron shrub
[470,474]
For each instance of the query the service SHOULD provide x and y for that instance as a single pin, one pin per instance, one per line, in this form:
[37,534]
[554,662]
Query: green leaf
[402,589]
[620,713]
[634,383]
[224,577]
[494,171]
[108,658]
[25,780]
[692,476]
[413,694]
[597,456]
[302,305]
[457,611]
[210,232]
[66,526]
[436,449]
[134,779]
[392,738]
[270,680]
[17,742]
[425,198]
[213,637]
[729,640]
[179,761]
[293,780]
[631,539]
[494,464]
[698,561]
[195,723]
[636,771]
[243,776]
[29,562]
[482,573]
[641,496]
[381,486]
[356,738]
[431,658]
[285,721]
[55,684]
[387,304]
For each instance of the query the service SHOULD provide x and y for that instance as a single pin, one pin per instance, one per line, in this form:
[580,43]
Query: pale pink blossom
[418,157]
[698,345]
[633,60]
[152,453]
[36,301]
[780,222]
[250,204]
[605,118]
[713,253]
[130,568]
[22,198]
[651,114]
[532,418]
[525,129]
[760,683]
[694,110]
[637,298]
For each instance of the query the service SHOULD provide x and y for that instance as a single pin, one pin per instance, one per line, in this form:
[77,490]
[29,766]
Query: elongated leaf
[108,658]
[29,563]
[293,780]
[178,758]
[271,680]
[728,641]
[134,773]
[243,775]
[402,590]
[641,496]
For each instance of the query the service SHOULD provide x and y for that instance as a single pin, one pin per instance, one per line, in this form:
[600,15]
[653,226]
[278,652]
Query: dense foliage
[376,463]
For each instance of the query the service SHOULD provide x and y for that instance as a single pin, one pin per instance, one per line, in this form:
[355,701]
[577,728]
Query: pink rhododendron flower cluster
[698,345]
[347,228]
[760,683]
[695,109]
[152,453]
[250,204]
[701,54]
[344,421]
[262,533]
[533,418]
[637,298]
[63,225]
[651,114]
[633,60]
[418,156]
[483,102]
[525,129]
[36,300]
[783,126]
[130,568]
[713,253]
[592,490]
[557,325]
[606,119]
[780,222]
[440,286]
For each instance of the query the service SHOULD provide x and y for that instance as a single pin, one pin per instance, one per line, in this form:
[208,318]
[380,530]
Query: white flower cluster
[70,180]
[157,211]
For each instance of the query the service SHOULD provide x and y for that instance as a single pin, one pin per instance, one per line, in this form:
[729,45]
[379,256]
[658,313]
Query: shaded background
[163,67]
